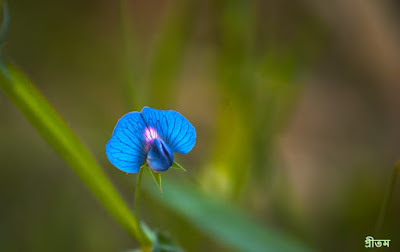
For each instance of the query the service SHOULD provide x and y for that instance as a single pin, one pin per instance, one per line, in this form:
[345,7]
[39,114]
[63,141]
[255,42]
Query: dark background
[295,103]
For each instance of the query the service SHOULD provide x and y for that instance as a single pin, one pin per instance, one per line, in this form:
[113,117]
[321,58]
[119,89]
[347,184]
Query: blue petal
[126,148]
[173,128]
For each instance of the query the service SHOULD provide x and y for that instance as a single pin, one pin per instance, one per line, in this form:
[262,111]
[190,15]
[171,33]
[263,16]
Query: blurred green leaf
[131,64]
[169,50]
[177,166]
[157,178]
[57,133]
[221,221]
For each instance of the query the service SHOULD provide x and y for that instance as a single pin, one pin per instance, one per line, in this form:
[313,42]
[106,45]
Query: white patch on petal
[150,134]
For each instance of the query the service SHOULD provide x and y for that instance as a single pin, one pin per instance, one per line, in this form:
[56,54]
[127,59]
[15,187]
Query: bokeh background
[295,103]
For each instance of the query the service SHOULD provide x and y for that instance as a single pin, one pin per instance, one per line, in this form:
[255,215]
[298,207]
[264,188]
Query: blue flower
[150,136]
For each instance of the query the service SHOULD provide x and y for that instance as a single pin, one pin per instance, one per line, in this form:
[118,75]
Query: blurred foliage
[221,221]
[294,103]
[52,127]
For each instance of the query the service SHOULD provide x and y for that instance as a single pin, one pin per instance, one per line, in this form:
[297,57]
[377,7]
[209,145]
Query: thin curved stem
[137,192]
[387,199]
[146,245]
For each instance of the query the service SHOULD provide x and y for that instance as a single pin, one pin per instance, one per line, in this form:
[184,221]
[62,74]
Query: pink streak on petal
[149,135]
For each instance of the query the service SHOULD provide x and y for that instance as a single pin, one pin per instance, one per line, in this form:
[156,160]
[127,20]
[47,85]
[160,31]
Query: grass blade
[57,133]
[220,221]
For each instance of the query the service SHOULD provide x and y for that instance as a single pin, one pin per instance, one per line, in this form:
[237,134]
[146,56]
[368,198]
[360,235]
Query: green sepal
[157,178]
[177,166]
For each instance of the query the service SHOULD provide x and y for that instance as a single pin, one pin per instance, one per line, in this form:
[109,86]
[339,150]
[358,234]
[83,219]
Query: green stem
[137,192]
[148,244]
[387,199]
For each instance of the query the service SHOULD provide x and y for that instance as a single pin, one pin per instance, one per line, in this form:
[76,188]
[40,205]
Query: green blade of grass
[57,133]
[221,221]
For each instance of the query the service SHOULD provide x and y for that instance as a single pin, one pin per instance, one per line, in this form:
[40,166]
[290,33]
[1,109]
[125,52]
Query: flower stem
[137,192]
[387,199]
[146,243]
